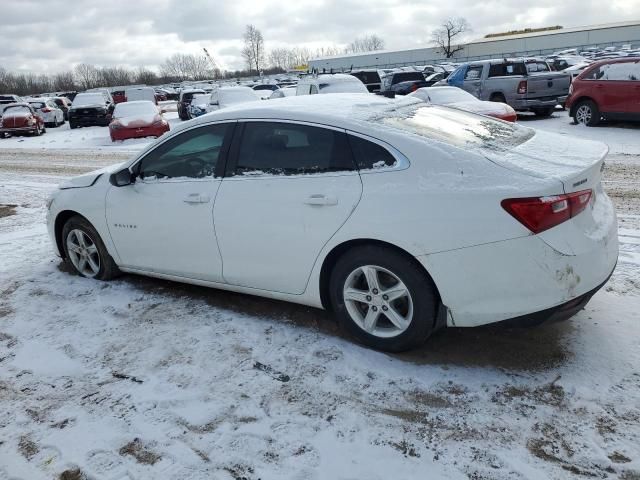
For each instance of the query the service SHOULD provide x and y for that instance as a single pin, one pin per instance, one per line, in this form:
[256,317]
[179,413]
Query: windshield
[84,99]
[407,77]
[133,109]
[265,87]
[443,96]
[344,86]
[457,128]
[37,105]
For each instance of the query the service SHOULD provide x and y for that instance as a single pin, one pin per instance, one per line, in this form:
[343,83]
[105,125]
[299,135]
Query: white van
[140,93]
[330,83]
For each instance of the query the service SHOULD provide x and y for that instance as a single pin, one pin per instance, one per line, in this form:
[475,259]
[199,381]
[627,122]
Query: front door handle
[193,198]
[319,199]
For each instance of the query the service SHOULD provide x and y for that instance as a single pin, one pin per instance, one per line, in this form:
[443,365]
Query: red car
[118,96]
[20,118]
[608,89]
[137,119]
[455,97]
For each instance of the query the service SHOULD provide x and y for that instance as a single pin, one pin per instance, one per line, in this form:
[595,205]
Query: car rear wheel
[383,298]
[586,113]
[38,131]
[85,252]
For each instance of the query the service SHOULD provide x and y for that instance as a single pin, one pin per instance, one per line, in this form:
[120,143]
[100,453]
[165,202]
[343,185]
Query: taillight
[522,87]
[414,87]
[542,213]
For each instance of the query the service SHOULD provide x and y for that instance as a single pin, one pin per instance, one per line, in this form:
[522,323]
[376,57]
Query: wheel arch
[497,93]
[336,252]
[58,225]
[575,103]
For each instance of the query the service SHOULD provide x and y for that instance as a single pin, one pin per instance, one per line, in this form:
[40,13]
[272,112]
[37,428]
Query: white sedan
[400,217]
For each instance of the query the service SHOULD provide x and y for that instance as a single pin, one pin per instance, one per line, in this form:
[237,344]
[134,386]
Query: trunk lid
[577,163]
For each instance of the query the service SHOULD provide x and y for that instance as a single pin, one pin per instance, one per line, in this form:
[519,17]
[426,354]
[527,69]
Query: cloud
[54,35]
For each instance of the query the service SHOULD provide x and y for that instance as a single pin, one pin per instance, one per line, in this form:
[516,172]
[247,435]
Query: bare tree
[87,76]
[368,43]
[253,50]
[181,66]
[63,81]
[444,37]
[144,76]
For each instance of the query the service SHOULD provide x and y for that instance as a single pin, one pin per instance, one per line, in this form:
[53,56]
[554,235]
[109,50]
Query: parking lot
[143,378]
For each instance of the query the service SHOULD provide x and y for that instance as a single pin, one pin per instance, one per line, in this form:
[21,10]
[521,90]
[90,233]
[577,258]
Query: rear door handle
[193,198]
[319,199]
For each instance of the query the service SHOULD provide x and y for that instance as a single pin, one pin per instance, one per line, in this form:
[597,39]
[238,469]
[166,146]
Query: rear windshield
[266,87]
[37,104]
[407,77]
[367,77]
[239,95]
[457,128]
[127,109]
[16,109]
[507,69]
[444,95]
[6,99]
[88,99]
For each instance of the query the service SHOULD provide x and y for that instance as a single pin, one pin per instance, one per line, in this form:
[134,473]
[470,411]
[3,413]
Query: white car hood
[90,178]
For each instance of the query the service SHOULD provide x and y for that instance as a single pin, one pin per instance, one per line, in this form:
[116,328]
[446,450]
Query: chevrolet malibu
[399,216]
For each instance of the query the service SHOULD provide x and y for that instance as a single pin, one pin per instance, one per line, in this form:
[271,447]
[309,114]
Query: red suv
[608,89]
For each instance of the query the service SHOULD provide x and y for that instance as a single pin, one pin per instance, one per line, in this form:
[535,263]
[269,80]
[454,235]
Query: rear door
[289,188]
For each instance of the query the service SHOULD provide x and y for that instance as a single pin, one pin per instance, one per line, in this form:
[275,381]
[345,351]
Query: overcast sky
[54,35]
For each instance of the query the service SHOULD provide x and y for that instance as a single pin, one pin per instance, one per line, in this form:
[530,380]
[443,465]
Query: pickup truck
[524,84]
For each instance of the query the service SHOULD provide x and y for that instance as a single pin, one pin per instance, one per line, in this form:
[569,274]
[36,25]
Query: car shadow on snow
[527,349]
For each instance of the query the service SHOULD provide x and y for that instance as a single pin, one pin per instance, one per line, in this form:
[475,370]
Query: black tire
[421,288]
[72,125]
[108,268]
[544,112]
[589,108]
[497,97]
[38,131]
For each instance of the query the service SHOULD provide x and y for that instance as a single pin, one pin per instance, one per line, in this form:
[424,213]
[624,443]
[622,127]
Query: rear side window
[367,77]
[626,71]
[291,149]
[369,155]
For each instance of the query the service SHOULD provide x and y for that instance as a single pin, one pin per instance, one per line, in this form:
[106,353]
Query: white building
[528,44]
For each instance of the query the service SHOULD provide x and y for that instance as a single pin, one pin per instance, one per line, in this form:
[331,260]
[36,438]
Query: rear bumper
[554,314]
[18,129]
[526,104]
[126,133]
[523,277]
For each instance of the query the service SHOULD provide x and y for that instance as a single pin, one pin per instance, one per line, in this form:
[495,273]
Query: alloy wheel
[378,301]
[584,114]
[83,253]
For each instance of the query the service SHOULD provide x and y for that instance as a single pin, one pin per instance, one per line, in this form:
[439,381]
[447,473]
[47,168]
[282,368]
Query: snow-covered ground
[85,138]
[146,379]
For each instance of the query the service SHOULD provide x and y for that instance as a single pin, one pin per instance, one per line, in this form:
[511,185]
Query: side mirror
[122,178]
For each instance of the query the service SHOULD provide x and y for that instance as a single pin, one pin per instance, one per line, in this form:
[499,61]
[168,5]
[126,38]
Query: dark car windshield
[265,87]
[407,77]
[367,77]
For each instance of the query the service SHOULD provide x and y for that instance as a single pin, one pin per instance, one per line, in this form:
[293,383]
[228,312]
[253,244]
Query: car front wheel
[85,252]
[586,113]
[383,298]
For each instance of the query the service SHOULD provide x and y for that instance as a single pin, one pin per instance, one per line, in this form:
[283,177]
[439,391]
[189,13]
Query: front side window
[192,154]
[473,73]
[292,149]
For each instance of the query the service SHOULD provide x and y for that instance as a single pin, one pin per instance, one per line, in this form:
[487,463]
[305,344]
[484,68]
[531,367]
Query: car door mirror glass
[122,178]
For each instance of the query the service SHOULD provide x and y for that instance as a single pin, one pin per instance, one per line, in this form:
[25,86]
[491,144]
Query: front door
[288,190]
[163,222]
[473,80]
